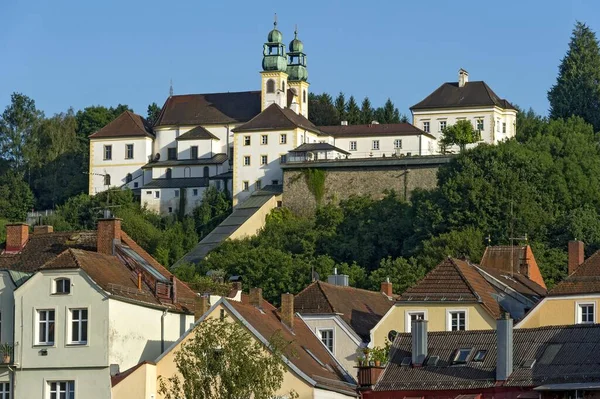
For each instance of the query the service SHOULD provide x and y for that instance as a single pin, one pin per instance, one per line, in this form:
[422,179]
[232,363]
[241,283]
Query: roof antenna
[171,89]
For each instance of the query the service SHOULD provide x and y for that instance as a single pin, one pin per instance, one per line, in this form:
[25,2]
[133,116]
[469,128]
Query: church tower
[298,75]
[274,74]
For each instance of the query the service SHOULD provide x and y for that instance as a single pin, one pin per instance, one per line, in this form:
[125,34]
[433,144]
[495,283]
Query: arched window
[270,86]
[62,286]
[206,171]
[283,86]
[128,178]
[304,96]
[169,173]
[107,180]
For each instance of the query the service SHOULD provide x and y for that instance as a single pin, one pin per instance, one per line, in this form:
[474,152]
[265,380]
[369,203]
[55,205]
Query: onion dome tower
[298,74]
[274,73]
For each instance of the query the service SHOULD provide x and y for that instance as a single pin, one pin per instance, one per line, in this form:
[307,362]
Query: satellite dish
[157,156]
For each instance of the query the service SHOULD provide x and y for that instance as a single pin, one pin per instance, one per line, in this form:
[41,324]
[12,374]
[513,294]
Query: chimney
[237,285]
[174,287]
[202,306]
[386,287]
[576,256]
[139,279]
[418,330]
[287,310]
[17,235]
[463,77]
[256,297]
[338,279]
[109,232]
[504,337]
[43,229]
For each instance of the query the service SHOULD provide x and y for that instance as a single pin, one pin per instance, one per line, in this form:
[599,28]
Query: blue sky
[74,53]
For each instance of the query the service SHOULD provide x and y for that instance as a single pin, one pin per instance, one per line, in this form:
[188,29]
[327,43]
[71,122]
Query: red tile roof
[276,118]
[127,124]
[378,129]
[267,321]
[360,309]
[584,280]
[513,260]
[472,94]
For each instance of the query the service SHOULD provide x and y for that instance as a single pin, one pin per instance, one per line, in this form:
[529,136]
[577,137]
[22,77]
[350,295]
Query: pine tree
[340,106]
[577,88]
[321,110]
[352,112]
[366,112]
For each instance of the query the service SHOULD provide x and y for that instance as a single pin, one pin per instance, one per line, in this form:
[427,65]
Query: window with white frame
[503,127]
[283,139]
[264,160]
[245,185]
[157,194]
[412,316]
[375,145]
[62,286]
[480,124]
[246,140]
[498,126]
[107,152]
[353,146]
[128,151]
[327,338]
[246,160]
[426,127]
[398,144]
[457,320]
[258,184]
[442,125]
[586,313]
[195,192]
[264,139]
[4,390]
[79,326]
[62,389]
[45,330]
[283,158]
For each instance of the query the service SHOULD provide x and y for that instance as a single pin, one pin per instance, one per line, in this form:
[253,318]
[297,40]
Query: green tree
[321,110]
[400,272]
[94,118]
[388,113]
[352,112]
[153,113]
[577,88]
[17,124]
[340,106]
[16,198]
[461,134]
[222,360]
[366,112]
[213,209]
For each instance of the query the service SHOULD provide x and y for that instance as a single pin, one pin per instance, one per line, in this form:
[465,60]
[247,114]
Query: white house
[93,304]
[494,117]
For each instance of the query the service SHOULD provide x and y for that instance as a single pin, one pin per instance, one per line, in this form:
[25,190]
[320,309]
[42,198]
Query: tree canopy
[461,134]
[222,360]
[577,88]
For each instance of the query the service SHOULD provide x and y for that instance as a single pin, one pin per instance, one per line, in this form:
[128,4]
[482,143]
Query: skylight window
[461,355]
[479,355]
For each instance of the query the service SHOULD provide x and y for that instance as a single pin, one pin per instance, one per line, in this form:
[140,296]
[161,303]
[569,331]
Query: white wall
[37,294]
[118,167]
[169,200]
[205,148]
[133,342]
[414,144]
[185,171]
[92,383]
[7,304]
[345,346]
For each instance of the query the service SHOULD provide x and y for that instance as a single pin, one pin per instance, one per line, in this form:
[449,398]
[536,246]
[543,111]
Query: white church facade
[237,141]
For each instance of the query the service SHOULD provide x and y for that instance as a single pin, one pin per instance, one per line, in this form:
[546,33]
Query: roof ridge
[466,280]
[137,122]
[350,287]
[325,295]
[489,92]
[72,253]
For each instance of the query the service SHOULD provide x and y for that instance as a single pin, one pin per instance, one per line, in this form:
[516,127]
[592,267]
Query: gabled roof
[206,109]
[560,354]
[584,280]
[360,309]
[318,147]
[376,129]
[517,261]
[127,124]
[197,133]
[454,280]
[276,118]
[472,94]
[44,247]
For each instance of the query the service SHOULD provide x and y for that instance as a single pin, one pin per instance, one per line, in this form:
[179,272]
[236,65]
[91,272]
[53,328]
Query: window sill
[77,345]
[52,345]
[60,294]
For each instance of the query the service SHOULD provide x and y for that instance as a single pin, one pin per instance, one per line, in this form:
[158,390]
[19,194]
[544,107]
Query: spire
[274,58]
[275,22]
[171,89]
[297,59]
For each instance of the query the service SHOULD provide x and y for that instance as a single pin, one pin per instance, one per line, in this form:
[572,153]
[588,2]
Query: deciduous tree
[461,134]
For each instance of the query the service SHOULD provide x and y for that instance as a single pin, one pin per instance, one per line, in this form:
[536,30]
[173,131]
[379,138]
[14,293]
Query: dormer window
[62,286]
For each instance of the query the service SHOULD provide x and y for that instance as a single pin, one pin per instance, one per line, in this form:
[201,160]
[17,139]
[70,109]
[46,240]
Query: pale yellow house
[458,295]
[311,371]
[575,299]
